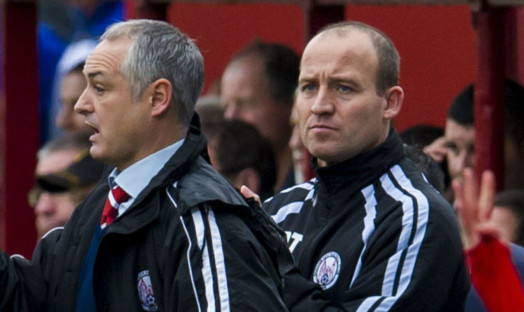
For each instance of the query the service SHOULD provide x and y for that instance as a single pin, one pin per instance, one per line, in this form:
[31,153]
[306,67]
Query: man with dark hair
[257,87]
[165,231]
[244,157]
[370,230]
[458,143]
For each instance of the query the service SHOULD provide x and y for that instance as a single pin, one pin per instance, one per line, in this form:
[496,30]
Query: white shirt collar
[136,177]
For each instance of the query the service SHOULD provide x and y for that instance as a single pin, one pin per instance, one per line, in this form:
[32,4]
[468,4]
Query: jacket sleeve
[223,266]
[495,276]
[411,266]
[23,282]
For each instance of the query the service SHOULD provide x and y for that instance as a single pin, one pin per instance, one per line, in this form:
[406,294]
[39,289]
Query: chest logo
[327,270]
[145,292]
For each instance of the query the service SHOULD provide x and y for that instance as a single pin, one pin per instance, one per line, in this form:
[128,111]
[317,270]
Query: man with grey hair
[369,229]
[165,232]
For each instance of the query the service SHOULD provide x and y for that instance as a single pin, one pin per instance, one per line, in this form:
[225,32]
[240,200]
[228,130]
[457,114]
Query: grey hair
[160,50]
[388,58]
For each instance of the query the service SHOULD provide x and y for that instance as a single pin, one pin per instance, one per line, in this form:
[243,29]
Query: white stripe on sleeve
[220,263]
[421,206]
[369,225]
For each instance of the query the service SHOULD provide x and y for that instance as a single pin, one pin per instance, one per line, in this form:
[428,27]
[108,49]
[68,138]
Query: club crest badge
[145,292]
[327,270]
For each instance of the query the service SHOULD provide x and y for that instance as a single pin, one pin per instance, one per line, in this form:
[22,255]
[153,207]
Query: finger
[470,192]
[487,195]
[248,193]
[465,216]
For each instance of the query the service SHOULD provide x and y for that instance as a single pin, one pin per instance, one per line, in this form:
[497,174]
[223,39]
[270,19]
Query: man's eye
[307,87]
[99,89]
[345,89]
[452,148]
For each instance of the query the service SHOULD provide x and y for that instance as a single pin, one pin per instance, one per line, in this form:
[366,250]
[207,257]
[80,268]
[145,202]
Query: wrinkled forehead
[107,56]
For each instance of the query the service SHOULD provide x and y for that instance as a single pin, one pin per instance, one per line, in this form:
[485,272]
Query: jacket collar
[362,169]
[146,208]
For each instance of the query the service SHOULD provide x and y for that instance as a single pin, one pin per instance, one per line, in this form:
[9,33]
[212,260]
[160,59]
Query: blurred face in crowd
[507,223]
[339,109]
[460,142]
[297,148]
[53,209]
[110,109]
[246,96]
[71,87]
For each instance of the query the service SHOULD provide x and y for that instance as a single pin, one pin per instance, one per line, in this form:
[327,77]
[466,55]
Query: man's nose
[45,204]
[323,102]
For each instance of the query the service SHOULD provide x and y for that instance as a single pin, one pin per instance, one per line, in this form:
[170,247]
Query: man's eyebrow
[306,79]
[94,74]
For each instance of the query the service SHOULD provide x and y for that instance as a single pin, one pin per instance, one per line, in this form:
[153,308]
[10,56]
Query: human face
[71,87]
[121,124]
[54,209]
[246,97]
[340,113]
[460,142]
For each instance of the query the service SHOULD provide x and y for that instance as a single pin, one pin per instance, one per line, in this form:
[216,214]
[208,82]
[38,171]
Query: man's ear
[160,96]
[394,99]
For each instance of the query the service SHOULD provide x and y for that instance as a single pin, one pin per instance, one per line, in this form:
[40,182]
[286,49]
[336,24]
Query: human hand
[437,149]
[474,209]
[248,193]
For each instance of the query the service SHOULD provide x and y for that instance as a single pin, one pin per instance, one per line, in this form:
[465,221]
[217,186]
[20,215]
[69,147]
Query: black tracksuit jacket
[375,235]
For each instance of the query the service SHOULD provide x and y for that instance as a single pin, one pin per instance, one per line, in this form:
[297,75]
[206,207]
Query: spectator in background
[493,274]
[508,215]
[301,157]
[71,62]
[431,170]
[61,25]
[418,138]
[65,173]
[211,113]
[458,143]
[244,157]
[421,135]
[258,87]
[71,87]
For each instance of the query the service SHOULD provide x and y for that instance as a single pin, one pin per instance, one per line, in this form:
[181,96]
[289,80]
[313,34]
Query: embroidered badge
[145,292]
[327,270]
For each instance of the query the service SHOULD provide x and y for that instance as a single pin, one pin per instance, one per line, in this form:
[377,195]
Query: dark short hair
[421,135]
[281,65]
[388,67]
[461,110]
[423,162]
[514,201]
[240,146]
